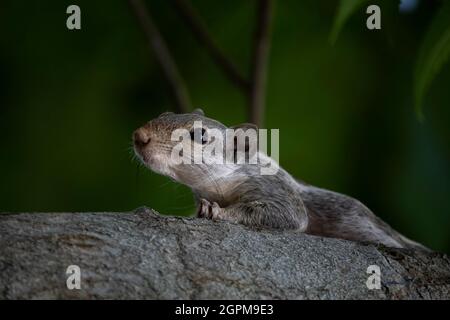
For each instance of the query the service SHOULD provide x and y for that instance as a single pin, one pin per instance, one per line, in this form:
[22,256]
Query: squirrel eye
[203,136]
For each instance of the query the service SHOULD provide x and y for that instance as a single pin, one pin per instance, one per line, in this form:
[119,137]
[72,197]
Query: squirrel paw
[209,210]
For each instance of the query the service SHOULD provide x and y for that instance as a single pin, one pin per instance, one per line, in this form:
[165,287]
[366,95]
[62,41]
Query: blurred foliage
[435,48]
[69,101]
[345,9]
[434,53]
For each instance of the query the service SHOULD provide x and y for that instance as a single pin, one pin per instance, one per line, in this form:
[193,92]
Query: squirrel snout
[141,138]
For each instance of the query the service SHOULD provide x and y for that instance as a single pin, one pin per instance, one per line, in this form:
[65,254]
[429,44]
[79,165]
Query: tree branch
[261,47]
[199,29]
[163,56]
[143,255]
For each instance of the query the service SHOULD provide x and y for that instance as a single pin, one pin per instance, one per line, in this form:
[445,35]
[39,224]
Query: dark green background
[70,100]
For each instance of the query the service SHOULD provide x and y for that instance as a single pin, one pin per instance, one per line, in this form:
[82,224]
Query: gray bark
[142,254]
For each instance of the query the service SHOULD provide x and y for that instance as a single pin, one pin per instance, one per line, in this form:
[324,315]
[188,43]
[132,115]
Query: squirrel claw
[215,211]
[209,210]
[204,209]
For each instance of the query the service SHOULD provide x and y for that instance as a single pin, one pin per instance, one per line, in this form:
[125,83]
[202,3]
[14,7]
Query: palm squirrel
[239,193]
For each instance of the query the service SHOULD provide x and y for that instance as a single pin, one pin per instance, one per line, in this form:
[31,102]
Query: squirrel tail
[413,244]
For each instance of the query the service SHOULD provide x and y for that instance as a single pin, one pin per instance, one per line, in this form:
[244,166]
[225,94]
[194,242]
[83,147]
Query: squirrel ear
[245,126]
[249,152]
[198,111]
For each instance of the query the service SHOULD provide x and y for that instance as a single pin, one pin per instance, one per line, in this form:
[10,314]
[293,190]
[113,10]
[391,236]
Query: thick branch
[261,48]
[199,30]
[142,255]
[163,56]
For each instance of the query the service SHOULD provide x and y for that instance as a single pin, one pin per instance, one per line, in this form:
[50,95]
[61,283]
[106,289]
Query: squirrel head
[194,149]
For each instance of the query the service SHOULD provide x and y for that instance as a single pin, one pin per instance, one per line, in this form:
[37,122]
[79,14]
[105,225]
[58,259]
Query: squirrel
[239,193]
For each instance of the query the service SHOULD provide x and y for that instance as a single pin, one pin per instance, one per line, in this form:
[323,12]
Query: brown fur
[239,194]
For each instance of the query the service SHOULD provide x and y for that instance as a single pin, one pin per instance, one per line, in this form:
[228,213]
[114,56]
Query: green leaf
[433,54]
[345,9]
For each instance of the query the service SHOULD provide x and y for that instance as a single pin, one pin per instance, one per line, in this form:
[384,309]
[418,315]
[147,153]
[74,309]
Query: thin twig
[260,58]
[199,29]
[163,56]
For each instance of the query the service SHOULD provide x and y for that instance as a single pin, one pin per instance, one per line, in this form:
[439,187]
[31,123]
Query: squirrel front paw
[209,210]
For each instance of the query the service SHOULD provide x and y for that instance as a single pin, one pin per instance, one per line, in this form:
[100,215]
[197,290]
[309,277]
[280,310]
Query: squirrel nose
[140,137]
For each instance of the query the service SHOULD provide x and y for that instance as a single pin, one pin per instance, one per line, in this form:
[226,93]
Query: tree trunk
[143,255]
